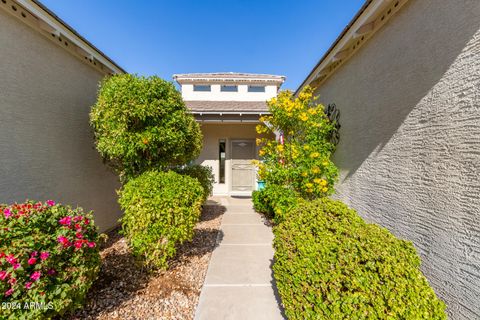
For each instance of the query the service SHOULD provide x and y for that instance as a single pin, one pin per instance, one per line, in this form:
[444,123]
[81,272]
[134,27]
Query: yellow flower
[325,163]
[280,148]
[315,170]
[258,141]
[312,111]
[317,180]
[259,128]
[314,155]
[324,182]
[308,185]
[307,147]
[309,190]
[304,174]
[303,116]
[261,152]
[325,189]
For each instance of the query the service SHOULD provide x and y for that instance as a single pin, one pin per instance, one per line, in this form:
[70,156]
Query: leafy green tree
[300,160]
[141,123]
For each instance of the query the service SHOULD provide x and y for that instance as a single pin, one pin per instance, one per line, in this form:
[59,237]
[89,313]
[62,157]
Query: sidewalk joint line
[239,285]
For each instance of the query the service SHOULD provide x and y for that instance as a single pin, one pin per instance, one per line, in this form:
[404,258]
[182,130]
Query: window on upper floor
[202,87]
[256,88]
[228,88]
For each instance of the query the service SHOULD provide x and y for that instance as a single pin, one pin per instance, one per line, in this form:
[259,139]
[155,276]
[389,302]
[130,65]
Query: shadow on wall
[391,80]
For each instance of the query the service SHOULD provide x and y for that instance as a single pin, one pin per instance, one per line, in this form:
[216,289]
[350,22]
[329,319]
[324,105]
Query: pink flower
[12,281]
[7,212]
[51,272]
[78,218]
[78,244]
[32,261]
[8,292]
[16,266]
[64,241]
[44,255]
[79,235]
[11,259]
[35,276]
[28,285]
[65,221]
[78,227]
[3,275]
[86,222]
[33,254]
[50,203]
[91,244]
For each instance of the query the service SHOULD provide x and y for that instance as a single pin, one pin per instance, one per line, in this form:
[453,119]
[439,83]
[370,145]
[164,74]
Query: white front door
[243,171]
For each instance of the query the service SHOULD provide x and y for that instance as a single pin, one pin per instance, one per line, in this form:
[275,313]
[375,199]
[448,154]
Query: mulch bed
[126,291]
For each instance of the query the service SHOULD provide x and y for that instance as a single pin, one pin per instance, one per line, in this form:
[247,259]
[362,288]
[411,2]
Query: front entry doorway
[243,171]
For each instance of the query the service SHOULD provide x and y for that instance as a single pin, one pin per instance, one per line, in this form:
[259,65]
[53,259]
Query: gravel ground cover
[125,291]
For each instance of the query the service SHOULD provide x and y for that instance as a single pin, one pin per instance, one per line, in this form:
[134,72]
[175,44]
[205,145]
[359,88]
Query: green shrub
[274,201]
[161,210]
[330,264]
[48,255]
[301,159]
[203,174]
[142,124]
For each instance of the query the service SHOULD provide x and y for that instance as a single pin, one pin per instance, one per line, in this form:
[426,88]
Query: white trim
[48,25]
[375,15]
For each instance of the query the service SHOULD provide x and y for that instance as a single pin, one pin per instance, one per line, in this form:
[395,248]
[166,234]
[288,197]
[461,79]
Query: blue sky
[166,37]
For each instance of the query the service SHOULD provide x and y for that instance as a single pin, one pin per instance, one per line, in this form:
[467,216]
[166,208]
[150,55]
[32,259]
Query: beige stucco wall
[46,146]
[212,133]
[409,149]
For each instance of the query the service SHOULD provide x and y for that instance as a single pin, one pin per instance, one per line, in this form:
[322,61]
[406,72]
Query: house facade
[228,107]
[405,75]
[49,77]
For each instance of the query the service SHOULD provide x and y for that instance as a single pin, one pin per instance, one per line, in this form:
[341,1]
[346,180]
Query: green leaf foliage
[48,257]
[203,174]
[301,161]
[330,264]
[142,123]
[161,210]
[274,201]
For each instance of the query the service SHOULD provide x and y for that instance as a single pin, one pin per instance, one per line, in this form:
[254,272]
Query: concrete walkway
[239,283]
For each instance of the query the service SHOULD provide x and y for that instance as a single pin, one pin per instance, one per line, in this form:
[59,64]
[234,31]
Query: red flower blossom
[36,275]
[44,255]
[32,261]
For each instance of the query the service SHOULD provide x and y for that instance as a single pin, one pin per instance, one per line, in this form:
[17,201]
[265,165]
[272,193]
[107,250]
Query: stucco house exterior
[405,76]
[228,107]
[49,76]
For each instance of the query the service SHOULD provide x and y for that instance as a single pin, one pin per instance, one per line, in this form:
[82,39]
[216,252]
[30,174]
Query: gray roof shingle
[227,106]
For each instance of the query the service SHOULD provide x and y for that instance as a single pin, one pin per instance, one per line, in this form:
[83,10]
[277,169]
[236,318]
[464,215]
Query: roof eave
[368,20]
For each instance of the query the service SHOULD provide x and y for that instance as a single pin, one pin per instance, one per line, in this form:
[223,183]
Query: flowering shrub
[161,210]
[48,256]
[300,159]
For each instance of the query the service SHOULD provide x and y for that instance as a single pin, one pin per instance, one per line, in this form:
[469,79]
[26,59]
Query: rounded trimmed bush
[330,264]
[203,174]
[274,201]
[48,256]
[141,124]
[161,211]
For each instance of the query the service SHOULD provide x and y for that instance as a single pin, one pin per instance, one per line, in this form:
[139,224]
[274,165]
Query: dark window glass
[226,88]
[201,87]
[256,88]
[221,158]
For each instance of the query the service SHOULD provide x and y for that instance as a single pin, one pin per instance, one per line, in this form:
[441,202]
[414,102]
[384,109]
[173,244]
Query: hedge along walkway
[239,282]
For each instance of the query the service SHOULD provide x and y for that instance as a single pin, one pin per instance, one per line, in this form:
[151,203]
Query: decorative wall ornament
[334,115]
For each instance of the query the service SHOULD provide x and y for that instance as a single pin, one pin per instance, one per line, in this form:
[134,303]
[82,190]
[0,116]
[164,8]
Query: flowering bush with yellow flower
[301,160]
